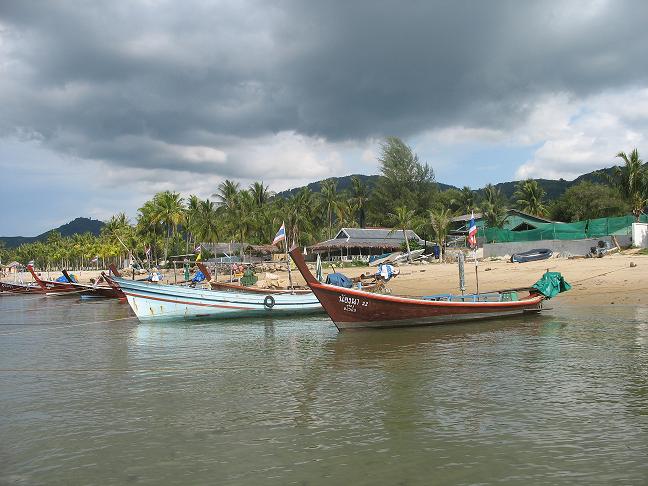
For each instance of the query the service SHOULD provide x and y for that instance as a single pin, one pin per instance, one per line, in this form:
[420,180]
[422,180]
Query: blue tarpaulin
[198,277]
[339,280]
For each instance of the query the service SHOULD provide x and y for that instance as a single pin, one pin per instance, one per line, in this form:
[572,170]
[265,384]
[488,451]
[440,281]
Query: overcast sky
[105,103]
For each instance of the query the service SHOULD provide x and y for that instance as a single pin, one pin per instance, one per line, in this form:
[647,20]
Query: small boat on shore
[531,255]
[151,301]
[351,308]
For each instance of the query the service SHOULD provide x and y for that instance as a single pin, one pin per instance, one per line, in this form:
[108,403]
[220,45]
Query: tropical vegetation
[406,196]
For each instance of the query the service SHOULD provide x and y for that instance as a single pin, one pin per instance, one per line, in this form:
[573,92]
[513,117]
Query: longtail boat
[154,301]
[51,287]
[18,288]
[351,308]
[96,290]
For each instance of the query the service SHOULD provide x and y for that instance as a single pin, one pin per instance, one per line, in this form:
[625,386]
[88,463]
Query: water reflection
[555,398]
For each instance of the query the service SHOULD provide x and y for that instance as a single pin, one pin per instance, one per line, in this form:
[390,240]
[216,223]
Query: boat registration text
[351,304]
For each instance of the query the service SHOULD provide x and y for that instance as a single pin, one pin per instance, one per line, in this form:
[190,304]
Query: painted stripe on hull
[434,320]
[152,309]
[159,301]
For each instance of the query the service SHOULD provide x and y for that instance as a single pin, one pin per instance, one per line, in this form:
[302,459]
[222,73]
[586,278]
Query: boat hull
[20,288]
[161,302]
[350,308]
[531,255]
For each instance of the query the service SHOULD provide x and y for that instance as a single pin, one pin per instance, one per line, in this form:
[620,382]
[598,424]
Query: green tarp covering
[248,278]
[590,228]
[551,284]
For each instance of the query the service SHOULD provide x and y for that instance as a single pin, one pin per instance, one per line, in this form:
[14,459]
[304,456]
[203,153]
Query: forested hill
[76,226]
[344,184]
[553,188]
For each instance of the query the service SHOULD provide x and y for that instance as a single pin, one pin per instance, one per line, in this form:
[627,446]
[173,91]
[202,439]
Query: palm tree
[207,229]
[226,195]
[493,209]
[529,195]
[149,228]
[404,219]
[191,219]
[299,213]
[329,201]
[632,181]
[261,194]
[465,200]
[345,212]
[118,232]
[243,213]
[440,221]
[169,210]
[359,197]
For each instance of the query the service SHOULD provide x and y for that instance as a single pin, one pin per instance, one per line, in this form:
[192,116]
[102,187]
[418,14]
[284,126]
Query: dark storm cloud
[129,82]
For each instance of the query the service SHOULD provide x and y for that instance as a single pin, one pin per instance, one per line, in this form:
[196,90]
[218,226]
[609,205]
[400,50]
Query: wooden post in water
[476,272]
[462,277]
[290,282]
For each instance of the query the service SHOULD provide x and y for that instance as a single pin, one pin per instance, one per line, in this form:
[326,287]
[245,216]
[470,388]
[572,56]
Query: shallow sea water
[88,395]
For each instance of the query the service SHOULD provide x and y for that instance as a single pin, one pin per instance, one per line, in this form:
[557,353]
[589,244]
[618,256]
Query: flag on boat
[31,263]
[472,232]
[281,234]
[198,248]
[95,259]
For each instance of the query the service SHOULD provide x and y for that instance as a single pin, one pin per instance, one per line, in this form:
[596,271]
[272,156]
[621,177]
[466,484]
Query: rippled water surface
[90,396]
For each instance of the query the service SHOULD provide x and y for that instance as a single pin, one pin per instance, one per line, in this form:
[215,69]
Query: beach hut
[360,243]
[13,268]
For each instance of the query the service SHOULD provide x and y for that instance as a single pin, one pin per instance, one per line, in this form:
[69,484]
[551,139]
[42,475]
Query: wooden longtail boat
[351,308]
[151,301]
[50,287]
[16,288]
[97,290]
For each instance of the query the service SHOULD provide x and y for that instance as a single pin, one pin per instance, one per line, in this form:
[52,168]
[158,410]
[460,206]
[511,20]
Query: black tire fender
[268,302]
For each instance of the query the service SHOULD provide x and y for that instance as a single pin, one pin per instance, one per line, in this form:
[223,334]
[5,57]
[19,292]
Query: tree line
[406,196]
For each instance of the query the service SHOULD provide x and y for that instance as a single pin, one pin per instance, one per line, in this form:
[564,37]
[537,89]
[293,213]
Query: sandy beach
[607,280]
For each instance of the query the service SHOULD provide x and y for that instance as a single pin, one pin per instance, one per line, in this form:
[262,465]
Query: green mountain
[344,183]
[76,226]
[553,188]
[556,188]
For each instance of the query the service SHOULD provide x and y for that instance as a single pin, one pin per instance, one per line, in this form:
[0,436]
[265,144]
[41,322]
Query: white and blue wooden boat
[152,301]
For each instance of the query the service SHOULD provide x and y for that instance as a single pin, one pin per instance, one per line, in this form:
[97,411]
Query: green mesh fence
[591,228]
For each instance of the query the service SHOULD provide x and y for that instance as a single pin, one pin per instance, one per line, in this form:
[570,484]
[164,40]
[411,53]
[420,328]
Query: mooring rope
[599,275]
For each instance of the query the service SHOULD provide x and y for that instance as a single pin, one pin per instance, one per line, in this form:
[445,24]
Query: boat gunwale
[419,301]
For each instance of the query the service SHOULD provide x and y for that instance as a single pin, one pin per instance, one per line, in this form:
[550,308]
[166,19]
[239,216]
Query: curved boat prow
[298,258]
[37,279]
[114,270]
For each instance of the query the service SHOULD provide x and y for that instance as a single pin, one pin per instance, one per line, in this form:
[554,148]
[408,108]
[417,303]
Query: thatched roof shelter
[366,240]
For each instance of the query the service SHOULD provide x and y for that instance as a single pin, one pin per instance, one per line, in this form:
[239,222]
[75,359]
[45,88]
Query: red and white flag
[472,232]
[281,234]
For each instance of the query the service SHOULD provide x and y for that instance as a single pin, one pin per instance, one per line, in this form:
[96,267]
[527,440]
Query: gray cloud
[124,82]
